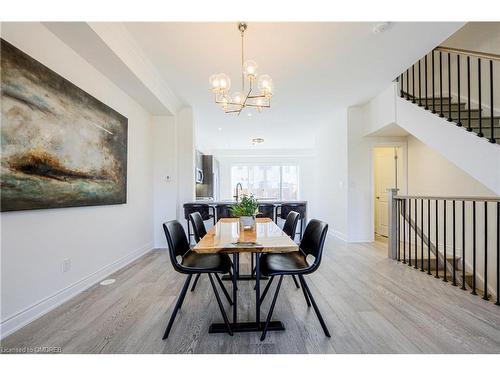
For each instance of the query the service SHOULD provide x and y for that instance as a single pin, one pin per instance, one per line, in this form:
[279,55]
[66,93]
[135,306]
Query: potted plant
[246,211]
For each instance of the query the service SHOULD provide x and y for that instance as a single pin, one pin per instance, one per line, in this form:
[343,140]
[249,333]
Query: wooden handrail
[477,199]
[483,55]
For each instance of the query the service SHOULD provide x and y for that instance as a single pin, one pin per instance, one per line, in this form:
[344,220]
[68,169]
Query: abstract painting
[61,147]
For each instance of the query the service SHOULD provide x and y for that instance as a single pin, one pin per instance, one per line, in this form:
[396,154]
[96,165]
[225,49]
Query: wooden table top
[227,236]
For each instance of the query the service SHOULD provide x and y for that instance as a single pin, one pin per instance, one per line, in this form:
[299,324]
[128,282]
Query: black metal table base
[244,277]
[246,327]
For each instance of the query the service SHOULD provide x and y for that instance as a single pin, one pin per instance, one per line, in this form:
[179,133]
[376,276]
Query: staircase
[460,115]
[447,84]
[456,239]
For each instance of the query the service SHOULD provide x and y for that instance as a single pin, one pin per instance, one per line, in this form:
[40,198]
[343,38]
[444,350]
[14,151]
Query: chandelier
[248,96]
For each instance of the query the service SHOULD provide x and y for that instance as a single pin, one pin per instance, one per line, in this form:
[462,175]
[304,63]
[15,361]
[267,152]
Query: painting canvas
[61,147]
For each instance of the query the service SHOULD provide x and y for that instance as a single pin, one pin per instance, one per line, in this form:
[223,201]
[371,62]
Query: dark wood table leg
[257,288]
[235,292]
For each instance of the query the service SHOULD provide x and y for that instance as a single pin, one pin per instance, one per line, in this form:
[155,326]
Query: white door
[385,178]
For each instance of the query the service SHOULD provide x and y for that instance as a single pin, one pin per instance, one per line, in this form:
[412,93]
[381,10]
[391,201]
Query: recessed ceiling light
[381,27]
[249,114]
[219,129]
[256,141]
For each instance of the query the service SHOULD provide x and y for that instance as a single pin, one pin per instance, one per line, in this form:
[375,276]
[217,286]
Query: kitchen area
[219,186]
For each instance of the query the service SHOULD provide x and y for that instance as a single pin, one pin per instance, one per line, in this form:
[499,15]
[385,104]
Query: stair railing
[453,107]
[461,233]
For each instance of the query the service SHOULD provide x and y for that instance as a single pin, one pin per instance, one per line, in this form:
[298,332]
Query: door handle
[378,197]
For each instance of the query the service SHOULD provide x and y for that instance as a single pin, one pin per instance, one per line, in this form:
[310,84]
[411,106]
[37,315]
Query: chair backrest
[266,210]
[297,207]
[177,241]
[224,211]
[290,226]
[202,208]
[198,226]
[313,240]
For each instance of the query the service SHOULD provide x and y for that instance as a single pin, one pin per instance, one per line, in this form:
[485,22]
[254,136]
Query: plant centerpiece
[246,211]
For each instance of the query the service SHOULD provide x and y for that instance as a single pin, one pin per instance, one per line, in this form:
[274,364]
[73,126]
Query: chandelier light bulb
[250,69]
[214,82]
[238,98]
[224,82]
[265,84]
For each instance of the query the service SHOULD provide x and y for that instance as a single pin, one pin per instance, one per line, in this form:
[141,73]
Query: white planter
[247,222]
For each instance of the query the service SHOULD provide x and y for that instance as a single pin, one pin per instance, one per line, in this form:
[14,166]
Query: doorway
[386,175]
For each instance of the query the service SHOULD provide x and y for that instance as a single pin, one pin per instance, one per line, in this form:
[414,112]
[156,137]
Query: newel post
[393,223]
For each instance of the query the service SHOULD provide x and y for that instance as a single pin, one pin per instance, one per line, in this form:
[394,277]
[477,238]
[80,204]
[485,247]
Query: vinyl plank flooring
[371,305]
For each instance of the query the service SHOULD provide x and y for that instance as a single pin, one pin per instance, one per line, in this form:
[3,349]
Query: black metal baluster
[485,295]
[498,255]
[428,236]
[492,136]
[437,244]
[399,229]
[413,83]
[474,247]
[449,88]
[445,279]
[441,84]
[419,85]
[404,230]
[425,74]
[401,86]
[454,249]
[469,129]
[409,232]
[433,85]
[480,134]
[416,241]
[463,245]
[459,123]
[422,235]
[407,85]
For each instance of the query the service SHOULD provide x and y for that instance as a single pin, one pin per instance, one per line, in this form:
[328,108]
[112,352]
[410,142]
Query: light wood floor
[370,304]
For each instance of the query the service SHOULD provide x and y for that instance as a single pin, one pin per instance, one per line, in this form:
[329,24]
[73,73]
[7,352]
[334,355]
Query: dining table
[228,236]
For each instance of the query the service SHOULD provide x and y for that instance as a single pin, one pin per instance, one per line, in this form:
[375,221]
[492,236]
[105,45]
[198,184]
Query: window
[267,181]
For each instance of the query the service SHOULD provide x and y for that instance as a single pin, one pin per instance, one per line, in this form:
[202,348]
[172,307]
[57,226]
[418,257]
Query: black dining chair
[194,264]
[206,211]
[199,231]
[284,209]
[295,263]
[289,229]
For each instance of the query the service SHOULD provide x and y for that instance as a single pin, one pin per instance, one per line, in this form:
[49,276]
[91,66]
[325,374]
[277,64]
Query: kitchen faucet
[237,196]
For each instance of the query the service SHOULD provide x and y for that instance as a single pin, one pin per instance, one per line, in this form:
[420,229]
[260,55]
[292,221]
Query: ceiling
[317,69]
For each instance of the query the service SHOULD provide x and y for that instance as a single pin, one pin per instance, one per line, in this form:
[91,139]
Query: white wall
[165,174]
[98,240]
[330,198]
[360,166]
[185,160]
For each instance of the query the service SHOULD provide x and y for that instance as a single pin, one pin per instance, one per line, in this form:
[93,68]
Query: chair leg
[295,281]
[221,307]
[224,290]
[305,293]
[177,306]
[251,264]
[266,289]
[316,309]
[270,313]
[195,282]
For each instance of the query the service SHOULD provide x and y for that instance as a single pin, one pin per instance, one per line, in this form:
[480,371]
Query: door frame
[402,178]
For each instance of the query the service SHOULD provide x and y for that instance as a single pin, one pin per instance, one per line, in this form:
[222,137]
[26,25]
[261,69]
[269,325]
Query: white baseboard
[33,312]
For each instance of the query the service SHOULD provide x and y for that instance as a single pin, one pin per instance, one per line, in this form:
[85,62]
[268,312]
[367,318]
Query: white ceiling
[317,68]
